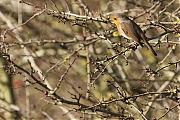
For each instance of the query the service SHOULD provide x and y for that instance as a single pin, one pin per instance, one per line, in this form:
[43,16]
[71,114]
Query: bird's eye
[115,18]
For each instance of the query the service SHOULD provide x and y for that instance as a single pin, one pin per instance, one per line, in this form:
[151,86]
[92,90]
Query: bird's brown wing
[131,31]
[138,30]
[143,37]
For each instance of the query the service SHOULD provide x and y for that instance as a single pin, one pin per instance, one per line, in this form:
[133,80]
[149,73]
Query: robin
[130,30]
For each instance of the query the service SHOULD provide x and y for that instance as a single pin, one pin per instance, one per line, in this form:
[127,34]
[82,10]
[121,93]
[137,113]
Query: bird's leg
[133,45]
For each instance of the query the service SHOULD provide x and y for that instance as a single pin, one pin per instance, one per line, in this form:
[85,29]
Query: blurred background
[64,59]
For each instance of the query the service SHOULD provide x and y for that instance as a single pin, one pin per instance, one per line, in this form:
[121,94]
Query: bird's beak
[112,19]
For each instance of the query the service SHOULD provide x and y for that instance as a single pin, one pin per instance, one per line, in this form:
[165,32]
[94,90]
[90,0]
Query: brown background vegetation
[65,60]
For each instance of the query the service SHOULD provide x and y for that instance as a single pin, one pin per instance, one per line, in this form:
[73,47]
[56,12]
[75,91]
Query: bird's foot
[133,46]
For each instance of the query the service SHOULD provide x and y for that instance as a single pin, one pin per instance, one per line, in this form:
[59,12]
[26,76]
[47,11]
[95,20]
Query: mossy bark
[6,91]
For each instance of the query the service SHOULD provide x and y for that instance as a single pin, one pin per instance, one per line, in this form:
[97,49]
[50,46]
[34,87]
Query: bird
[130,30]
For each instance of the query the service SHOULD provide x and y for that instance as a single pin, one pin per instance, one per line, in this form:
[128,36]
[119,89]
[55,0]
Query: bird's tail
[150,47]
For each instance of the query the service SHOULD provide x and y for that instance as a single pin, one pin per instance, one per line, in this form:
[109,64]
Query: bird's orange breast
[117,23]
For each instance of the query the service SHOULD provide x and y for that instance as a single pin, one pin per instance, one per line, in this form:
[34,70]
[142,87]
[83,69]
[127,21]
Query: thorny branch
[114,97]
